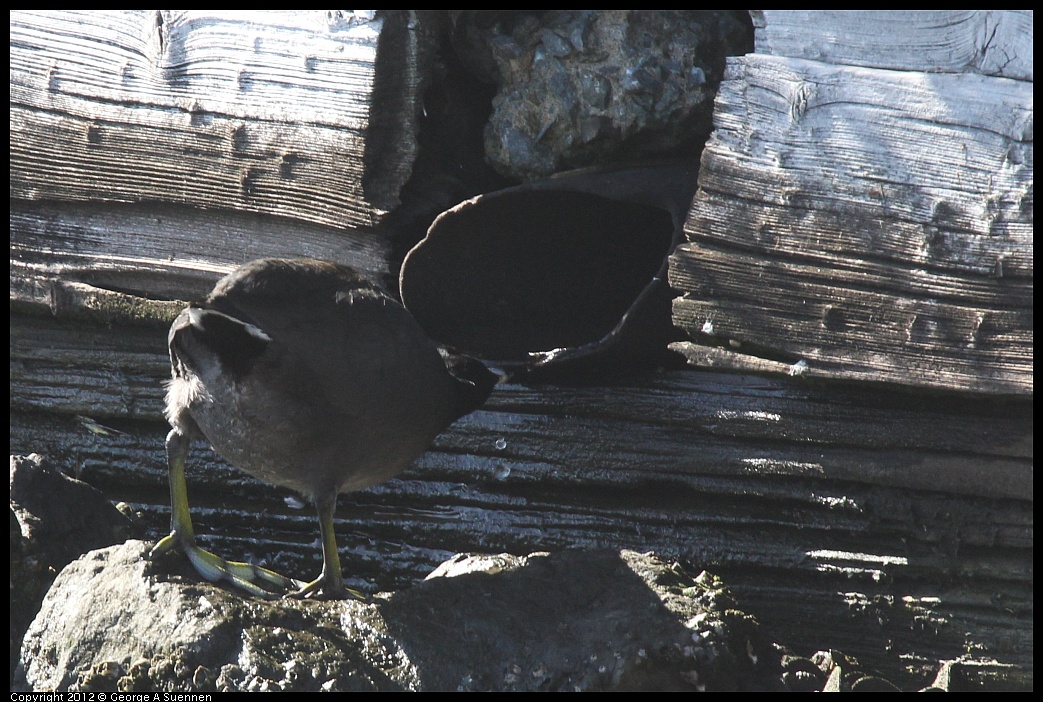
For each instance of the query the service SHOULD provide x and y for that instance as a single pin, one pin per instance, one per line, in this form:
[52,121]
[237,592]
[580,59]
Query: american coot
[306,375]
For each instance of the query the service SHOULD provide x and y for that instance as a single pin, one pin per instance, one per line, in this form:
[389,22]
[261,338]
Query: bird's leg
[211,566]
[330,583]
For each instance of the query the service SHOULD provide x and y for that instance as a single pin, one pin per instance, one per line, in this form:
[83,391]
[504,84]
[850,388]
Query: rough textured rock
[61,518]
[584,86]
[568,621]
[53,520]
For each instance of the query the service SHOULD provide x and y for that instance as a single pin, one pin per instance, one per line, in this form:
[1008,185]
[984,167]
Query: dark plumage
[304,374]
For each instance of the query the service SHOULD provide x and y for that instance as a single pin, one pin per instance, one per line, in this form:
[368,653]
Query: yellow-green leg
[211,566]
[330,582]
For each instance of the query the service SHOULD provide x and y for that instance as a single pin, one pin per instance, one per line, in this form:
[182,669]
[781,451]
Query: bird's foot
[326,588]
[248,577]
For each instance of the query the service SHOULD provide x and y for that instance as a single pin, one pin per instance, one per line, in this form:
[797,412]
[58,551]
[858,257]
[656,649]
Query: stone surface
[53,520]
[578,87]
[567,621]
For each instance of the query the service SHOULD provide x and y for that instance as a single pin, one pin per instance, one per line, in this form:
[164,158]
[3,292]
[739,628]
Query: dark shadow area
[561,280]
[568,603]
[534,271]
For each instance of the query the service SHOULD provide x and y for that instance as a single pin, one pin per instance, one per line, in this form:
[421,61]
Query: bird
[306,375]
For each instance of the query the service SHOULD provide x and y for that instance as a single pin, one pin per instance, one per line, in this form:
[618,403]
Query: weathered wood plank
[163,252]
[949,151]
[992,42]
[76,367]
[256,112]
[71,367]
[853,325]
[925,259]
[875,224]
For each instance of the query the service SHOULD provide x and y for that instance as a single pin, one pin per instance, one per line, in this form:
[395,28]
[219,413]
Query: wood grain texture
[952,150]
[875,224]
[992,42]
[162,252]
[263,113]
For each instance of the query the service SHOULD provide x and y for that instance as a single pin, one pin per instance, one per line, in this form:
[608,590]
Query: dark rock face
[53,520]
[590,86]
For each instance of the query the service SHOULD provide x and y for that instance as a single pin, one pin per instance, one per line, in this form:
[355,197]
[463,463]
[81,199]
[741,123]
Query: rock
[53,520]
[567,621]
[578,87]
